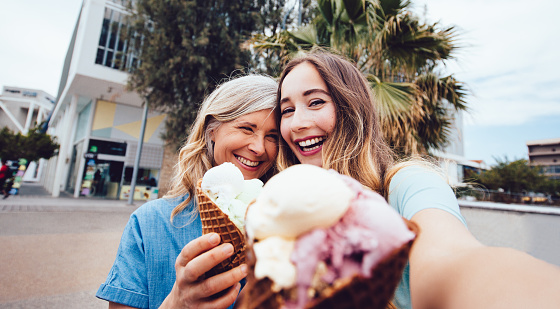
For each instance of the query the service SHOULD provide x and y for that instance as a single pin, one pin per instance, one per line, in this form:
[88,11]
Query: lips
[247,162]
[311,145]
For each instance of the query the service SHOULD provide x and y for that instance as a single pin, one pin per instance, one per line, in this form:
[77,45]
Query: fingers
[197,247]
[226,299]
[220,282]
[206,261]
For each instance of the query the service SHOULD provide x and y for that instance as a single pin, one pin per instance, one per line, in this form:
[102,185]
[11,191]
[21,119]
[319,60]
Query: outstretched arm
[449,268]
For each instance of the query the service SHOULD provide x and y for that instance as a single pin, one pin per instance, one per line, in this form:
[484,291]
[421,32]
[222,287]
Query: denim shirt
[144,270]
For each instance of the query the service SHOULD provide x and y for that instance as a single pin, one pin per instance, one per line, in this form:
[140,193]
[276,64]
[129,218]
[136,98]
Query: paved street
[57,251]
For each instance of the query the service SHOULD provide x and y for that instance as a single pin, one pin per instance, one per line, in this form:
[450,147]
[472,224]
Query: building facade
[22,109]
[546,154]
[96,120]
[452,158]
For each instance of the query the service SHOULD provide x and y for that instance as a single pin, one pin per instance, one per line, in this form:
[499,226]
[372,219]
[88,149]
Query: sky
[508,61]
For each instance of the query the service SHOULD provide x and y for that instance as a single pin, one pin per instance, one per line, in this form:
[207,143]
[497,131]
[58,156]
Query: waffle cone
[375,292]
[216,221]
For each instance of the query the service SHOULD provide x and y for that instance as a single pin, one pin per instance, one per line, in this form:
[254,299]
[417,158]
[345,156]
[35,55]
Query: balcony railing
[530,198]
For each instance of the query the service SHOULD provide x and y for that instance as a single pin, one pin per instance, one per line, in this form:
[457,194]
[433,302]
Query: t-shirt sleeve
[415,188]
[127,281]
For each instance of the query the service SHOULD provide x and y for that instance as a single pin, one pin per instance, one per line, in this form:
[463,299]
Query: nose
[256,146]
[300,121]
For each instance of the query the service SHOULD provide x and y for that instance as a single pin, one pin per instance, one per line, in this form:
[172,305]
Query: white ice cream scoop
[292,197]
[227,188]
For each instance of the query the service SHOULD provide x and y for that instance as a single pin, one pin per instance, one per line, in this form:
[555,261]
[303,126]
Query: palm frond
[392,100]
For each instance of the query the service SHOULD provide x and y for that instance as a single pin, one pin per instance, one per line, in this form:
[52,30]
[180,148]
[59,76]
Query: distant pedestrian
[5,175]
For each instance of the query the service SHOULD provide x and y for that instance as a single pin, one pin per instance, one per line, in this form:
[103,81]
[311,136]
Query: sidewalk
[57,251]
[33,197]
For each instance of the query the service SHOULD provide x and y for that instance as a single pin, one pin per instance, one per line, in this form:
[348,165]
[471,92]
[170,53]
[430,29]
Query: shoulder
[159,209]
[417,187]
[416,177]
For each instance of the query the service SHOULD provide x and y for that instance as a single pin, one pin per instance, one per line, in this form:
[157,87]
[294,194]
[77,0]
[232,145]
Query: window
[113,49]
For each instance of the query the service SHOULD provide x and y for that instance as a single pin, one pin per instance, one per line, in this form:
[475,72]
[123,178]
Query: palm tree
[399,56]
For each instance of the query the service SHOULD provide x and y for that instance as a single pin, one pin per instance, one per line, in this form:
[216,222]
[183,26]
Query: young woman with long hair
[328,118]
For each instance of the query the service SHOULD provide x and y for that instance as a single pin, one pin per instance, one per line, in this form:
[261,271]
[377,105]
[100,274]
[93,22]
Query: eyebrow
[306,93]
[254,126]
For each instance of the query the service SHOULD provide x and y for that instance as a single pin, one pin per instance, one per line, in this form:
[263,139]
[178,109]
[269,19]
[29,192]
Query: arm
[449,268]
[196,258]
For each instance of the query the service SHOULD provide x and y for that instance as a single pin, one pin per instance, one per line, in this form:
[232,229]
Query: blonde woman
[162,253]
[328,119]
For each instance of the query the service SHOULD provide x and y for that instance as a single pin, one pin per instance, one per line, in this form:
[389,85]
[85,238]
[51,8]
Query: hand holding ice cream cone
[196,259]
[223,196]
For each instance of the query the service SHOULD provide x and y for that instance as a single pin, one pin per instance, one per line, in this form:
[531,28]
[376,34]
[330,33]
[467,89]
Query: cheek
[329,121]
[285,130]
[272,150]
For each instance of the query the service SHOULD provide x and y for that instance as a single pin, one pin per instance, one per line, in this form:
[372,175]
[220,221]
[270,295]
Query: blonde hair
[356,146]
[230,100]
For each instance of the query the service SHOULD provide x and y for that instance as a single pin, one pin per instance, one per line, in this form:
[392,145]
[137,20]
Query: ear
[212,135]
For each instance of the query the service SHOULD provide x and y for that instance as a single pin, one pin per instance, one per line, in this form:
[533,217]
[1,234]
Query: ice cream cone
[375,292]
[214,220]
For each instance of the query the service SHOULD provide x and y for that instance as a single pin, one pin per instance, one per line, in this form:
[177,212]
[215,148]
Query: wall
[531,229]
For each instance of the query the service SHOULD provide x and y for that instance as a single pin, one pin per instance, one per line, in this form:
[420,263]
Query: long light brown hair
[356,146]
[235,98]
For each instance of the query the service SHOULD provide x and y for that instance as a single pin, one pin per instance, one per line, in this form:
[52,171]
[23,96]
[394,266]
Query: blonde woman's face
[250,142]
[308,113]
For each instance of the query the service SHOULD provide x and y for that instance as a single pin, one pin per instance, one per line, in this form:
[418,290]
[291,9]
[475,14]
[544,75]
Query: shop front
[104,152]
[108,170]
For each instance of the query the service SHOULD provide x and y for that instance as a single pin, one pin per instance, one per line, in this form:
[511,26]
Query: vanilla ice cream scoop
[227,188]
[291,198]
[223,181]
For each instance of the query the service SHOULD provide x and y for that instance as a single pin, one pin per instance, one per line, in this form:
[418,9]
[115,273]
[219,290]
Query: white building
[452,159]
[96,120]
[21,109]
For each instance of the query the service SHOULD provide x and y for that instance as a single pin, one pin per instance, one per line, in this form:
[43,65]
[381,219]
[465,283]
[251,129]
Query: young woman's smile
[308,113]
[250,142]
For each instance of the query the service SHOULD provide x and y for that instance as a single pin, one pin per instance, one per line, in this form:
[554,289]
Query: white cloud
[509,59]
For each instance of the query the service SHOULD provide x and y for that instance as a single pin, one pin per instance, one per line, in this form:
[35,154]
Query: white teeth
[247,162]
[312,148]
[311,141]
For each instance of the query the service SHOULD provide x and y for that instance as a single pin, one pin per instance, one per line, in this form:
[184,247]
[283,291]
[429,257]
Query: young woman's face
[250,142]
[308,113]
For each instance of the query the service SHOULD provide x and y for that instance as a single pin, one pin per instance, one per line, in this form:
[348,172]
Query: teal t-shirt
[413,189]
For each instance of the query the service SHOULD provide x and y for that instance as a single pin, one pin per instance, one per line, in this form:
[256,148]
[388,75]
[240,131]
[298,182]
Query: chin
[317,162]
